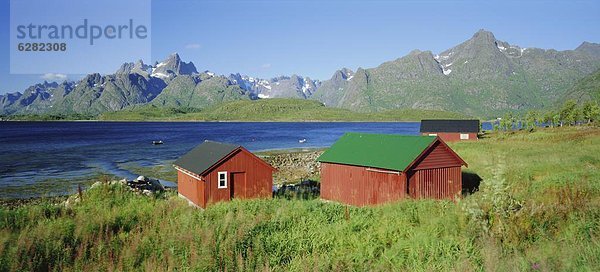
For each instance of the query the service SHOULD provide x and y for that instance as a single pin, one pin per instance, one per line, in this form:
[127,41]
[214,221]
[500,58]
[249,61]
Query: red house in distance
[451,130]
[367,169]
[213,172]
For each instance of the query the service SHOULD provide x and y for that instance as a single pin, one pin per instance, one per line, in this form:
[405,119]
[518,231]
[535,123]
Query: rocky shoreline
[141,185]
[294,166]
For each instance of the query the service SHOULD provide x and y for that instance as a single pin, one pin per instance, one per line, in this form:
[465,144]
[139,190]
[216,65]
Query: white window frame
[432,134]
[464,136]
[219,179]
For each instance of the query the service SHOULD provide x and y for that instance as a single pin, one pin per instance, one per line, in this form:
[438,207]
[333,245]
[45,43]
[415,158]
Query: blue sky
[315,38]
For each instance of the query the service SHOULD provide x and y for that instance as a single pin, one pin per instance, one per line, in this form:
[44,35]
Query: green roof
[385,151]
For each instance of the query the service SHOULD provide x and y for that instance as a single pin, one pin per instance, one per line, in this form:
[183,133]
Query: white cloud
[54,77]
[193,46]
[266,66]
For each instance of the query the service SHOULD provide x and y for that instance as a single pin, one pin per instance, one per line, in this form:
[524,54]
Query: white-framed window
[432,134]
[464,136]
[222,179]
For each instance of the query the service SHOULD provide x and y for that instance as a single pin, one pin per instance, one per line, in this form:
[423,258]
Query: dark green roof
[386,151]
[205,155]
[450,126]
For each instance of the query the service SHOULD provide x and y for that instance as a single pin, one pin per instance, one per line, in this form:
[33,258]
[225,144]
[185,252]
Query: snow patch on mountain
[159,75]
[282,86]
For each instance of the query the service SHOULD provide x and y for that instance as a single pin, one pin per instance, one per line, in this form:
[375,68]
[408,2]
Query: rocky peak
[295,79]
[92,79]
[413,65]
[9,99]
[484,36]
[175,57]
[415,52]
[346,71]
[361,74]
[483,45]
[140,66]
[125,68]
[173,66]
[342,75]
[587,44]
[590,49]
[41,87]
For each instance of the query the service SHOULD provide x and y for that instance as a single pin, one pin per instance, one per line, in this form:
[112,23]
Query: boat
[302,141]
[157,142]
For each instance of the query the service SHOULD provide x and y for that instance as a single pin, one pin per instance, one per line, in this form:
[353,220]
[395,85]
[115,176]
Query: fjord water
[38,157]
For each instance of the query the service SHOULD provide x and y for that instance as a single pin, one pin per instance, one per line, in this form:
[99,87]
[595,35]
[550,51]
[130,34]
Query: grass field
[279,109]
[537,208]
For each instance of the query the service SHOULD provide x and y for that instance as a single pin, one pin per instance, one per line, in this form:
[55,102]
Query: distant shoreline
[269,110]
[213,121]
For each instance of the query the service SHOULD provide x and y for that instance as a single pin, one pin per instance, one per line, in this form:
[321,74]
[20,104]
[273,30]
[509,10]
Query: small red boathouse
[213,172]
[367,169]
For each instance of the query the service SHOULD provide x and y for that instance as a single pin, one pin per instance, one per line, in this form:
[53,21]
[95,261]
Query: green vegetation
[273,110]
[537,208]
[49,117]
[588,88]
[198,91]
[50,186]
[164,172]
[144,113]
[569,114]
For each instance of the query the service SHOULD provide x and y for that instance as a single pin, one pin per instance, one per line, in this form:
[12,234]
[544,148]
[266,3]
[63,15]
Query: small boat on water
[157,142]
[302,141]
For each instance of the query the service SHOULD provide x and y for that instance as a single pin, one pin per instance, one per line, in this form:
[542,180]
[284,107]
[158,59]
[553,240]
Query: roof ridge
[388,134]
[450,125]
[449,120]
[221,143]
[205,155]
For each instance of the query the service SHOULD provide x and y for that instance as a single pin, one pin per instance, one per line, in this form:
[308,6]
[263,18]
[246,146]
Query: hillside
[198,91]
[586,89]
[277,109]
[481,76]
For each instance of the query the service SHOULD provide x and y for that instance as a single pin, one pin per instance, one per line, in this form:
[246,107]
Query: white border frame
[219,179]
[464,136]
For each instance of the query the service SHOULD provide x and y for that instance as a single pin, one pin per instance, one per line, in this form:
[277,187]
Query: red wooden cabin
[213,172]
[367,169]
[451,130]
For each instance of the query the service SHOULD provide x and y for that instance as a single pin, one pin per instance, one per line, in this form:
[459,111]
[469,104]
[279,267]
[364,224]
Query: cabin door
[238,185]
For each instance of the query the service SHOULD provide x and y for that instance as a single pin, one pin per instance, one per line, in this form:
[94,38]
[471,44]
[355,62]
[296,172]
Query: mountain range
[481,77]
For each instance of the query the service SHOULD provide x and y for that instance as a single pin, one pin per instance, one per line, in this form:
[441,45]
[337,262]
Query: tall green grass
[537,208]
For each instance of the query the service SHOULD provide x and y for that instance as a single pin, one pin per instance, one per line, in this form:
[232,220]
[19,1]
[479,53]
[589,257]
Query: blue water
[36,154]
